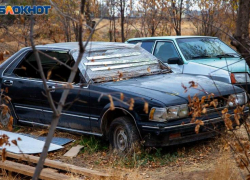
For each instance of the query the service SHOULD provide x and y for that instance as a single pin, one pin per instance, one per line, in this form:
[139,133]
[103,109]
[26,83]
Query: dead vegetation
[209,159]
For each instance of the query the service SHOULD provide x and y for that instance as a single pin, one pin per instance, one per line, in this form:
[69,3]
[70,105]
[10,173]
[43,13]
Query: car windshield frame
[225,50]
[118,63]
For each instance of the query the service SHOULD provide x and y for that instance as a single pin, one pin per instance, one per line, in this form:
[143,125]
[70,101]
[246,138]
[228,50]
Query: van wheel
[123,135]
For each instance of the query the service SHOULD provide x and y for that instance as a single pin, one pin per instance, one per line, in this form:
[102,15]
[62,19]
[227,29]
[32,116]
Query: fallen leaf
[204,110]
[193,84]
[120,74]
[49,74]
[6,90]
[14,142]
[4,154]
[121,96]
[24,68]
[224,111]
[145,107]
[112,107]
[10,124]
[68,86]
[22,19]
[197,128]
[131,104]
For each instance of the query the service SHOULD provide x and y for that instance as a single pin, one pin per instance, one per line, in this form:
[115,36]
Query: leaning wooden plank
[59,165]
[73,151]
[29,171]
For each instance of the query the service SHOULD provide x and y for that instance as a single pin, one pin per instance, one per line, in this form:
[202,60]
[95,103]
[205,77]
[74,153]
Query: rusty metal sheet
[117,62]
[114,56]
[123,66]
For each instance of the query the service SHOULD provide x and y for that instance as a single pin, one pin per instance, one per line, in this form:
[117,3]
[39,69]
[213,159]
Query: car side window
[148,45]
[52,70]
[165,50]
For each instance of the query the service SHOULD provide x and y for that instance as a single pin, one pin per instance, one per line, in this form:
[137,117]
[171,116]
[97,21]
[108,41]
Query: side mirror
[175,60]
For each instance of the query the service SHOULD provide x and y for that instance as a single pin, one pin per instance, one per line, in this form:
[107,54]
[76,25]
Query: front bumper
[159,135]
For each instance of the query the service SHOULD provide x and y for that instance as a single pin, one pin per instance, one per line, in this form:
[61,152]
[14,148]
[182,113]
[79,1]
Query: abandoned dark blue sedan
[148,101]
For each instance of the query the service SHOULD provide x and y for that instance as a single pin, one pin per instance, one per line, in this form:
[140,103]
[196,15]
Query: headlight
[239,78]
[240,99]
[172,112]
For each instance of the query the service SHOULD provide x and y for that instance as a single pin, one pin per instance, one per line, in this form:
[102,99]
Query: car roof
[92,46]
[167,37]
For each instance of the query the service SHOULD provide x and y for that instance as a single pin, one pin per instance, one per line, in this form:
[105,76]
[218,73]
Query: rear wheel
[5,116]
[123,135]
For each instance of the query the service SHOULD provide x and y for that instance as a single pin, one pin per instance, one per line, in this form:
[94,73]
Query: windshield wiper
[225,55]
[201,56]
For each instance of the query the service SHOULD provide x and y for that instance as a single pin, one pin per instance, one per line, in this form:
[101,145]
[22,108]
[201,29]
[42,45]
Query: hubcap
[121,139]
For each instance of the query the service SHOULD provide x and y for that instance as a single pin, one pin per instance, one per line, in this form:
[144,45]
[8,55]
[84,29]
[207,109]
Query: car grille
[222,103]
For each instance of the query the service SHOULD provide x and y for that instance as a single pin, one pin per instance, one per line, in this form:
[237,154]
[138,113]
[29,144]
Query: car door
[164,50]
[24,88]
[75,114]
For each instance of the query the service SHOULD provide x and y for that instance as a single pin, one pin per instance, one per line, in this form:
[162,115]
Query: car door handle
[52,88]
[8,82]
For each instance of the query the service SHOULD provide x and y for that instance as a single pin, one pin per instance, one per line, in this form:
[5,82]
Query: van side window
[165,50]
[133,42]
[148,45]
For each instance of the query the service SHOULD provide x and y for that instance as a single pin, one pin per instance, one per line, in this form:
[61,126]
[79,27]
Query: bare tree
[176,11]
[152,15]
[155,15]
[122,6]
[112,26]
[211,15]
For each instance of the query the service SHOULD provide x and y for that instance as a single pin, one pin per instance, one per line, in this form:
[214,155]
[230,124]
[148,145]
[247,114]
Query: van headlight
[239,99]
[172,112]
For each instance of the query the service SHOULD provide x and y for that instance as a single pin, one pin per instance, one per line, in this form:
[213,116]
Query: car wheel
[123,135]
[5,116]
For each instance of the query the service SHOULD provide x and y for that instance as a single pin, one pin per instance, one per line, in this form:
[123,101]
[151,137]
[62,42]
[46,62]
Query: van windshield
[205,48]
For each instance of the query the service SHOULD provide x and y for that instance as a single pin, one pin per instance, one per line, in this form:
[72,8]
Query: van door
[165,50]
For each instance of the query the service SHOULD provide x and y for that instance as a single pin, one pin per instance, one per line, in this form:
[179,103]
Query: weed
[92,144]
[16,128]
[148,157]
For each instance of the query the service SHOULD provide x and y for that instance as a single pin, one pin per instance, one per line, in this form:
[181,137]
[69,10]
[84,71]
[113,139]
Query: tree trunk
[88,16]
[110,29]
[242,30]
[122,20]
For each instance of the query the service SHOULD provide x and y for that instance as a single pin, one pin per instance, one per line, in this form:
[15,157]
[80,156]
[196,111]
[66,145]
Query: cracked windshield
[199,48]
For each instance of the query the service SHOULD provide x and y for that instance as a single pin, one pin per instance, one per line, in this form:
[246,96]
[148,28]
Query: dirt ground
[209,159]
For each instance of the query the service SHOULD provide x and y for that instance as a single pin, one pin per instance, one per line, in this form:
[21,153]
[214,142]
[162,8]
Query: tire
[123,135]
[5,118]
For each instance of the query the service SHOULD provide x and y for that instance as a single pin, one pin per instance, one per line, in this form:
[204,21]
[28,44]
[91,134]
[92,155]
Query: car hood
[228,64]
[168,88]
